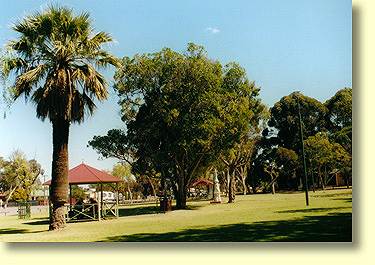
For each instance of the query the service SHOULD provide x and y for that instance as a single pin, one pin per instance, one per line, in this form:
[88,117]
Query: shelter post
[117,194]
[101,199]
[70,197]
[99,208]
[49,202]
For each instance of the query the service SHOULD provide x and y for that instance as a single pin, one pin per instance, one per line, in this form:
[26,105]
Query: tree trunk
[130,193]
[253,184]
[10,195]
[322,182]
[59,183]
[226,181]
[243,179]
[232,187]
[273,187]
[325,176]
[321,179]
[313,181]
[244,186]
[152,187]
[347,181]
[181,193]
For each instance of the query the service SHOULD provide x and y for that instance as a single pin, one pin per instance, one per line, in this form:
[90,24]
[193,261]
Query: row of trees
[267,155]
[327,129]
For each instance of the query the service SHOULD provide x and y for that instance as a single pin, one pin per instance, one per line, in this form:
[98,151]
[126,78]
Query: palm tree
[55,60]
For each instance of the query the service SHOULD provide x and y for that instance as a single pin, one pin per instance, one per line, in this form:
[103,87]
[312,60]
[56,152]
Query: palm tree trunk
[59,183]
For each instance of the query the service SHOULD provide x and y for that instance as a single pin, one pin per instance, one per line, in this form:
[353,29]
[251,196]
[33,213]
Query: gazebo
[201,182]
[85,174]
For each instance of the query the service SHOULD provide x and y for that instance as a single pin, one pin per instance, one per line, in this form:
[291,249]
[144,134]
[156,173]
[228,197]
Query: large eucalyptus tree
[55,62]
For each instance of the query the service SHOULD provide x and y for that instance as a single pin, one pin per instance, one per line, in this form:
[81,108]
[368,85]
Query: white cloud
[213,30]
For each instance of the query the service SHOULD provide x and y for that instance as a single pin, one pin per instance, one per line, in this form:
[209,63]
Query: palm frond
[28,79]
[94,83]
[55,59]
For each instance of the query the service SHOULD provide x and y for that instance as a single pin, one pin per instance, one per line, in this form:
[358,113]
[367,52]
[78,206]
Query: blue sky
[285,46]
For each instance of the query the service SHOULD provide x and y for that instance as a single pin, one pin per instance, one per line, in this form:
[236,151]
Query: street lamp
[303,153]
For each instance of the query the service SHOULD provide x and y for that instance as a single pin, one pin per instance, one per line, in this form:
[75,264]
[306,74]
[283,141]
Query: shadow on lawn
[149,209]
[330,195]
[44,221]
[344,199]
[328,228]
[8,231]
[314,210]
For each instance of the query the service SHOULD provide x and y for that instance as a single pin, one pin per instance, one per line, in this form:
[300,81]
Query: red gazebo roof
[84,174]
[204,182]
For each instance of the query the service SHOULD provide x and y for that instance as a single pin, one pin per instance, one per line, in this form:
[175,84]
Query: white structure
[217,197]
[94,194]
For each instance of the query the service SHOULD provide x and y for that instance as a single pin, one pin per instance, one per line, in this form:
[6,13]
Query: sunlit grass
[263,217]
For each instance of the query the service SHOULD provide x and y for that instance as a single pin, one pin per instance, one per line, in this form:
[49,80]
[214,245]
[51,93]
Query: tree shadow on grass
[314,210]
[138,210]
[330,195]
[39,222]
[147,209]
[344,199]
[8,231]
[328,228]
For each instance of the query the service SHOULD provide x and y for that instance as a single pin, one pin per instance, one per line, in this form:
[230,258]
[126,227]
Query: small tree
[325,156]
[123,171]
[18,176]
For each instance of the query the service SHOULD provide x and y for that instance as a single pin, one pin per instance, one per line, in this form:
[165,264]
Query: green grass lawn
[263,217]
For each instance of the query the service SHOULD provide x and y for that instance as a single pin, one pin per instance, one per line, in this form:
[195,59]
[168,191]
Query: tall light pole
[303,154]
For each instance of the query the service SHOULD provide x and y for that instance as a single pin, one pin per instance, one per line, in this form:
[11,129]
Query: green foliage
[78,193]
[181,110]
[321,152]
[114,144]
[284,117]
[280,163]
[339,118]
[18,176]
[340,109]
[122,171]
[288,163]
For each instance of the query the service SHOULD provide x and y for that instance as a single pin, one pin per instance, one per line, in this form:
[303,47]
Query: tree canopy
[340,109]
[284,118]
[182,110]
[18,176]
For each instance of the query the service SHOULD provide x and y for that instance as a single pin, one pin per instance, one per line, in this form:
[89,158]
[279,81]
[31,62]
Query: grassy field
[264,217]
